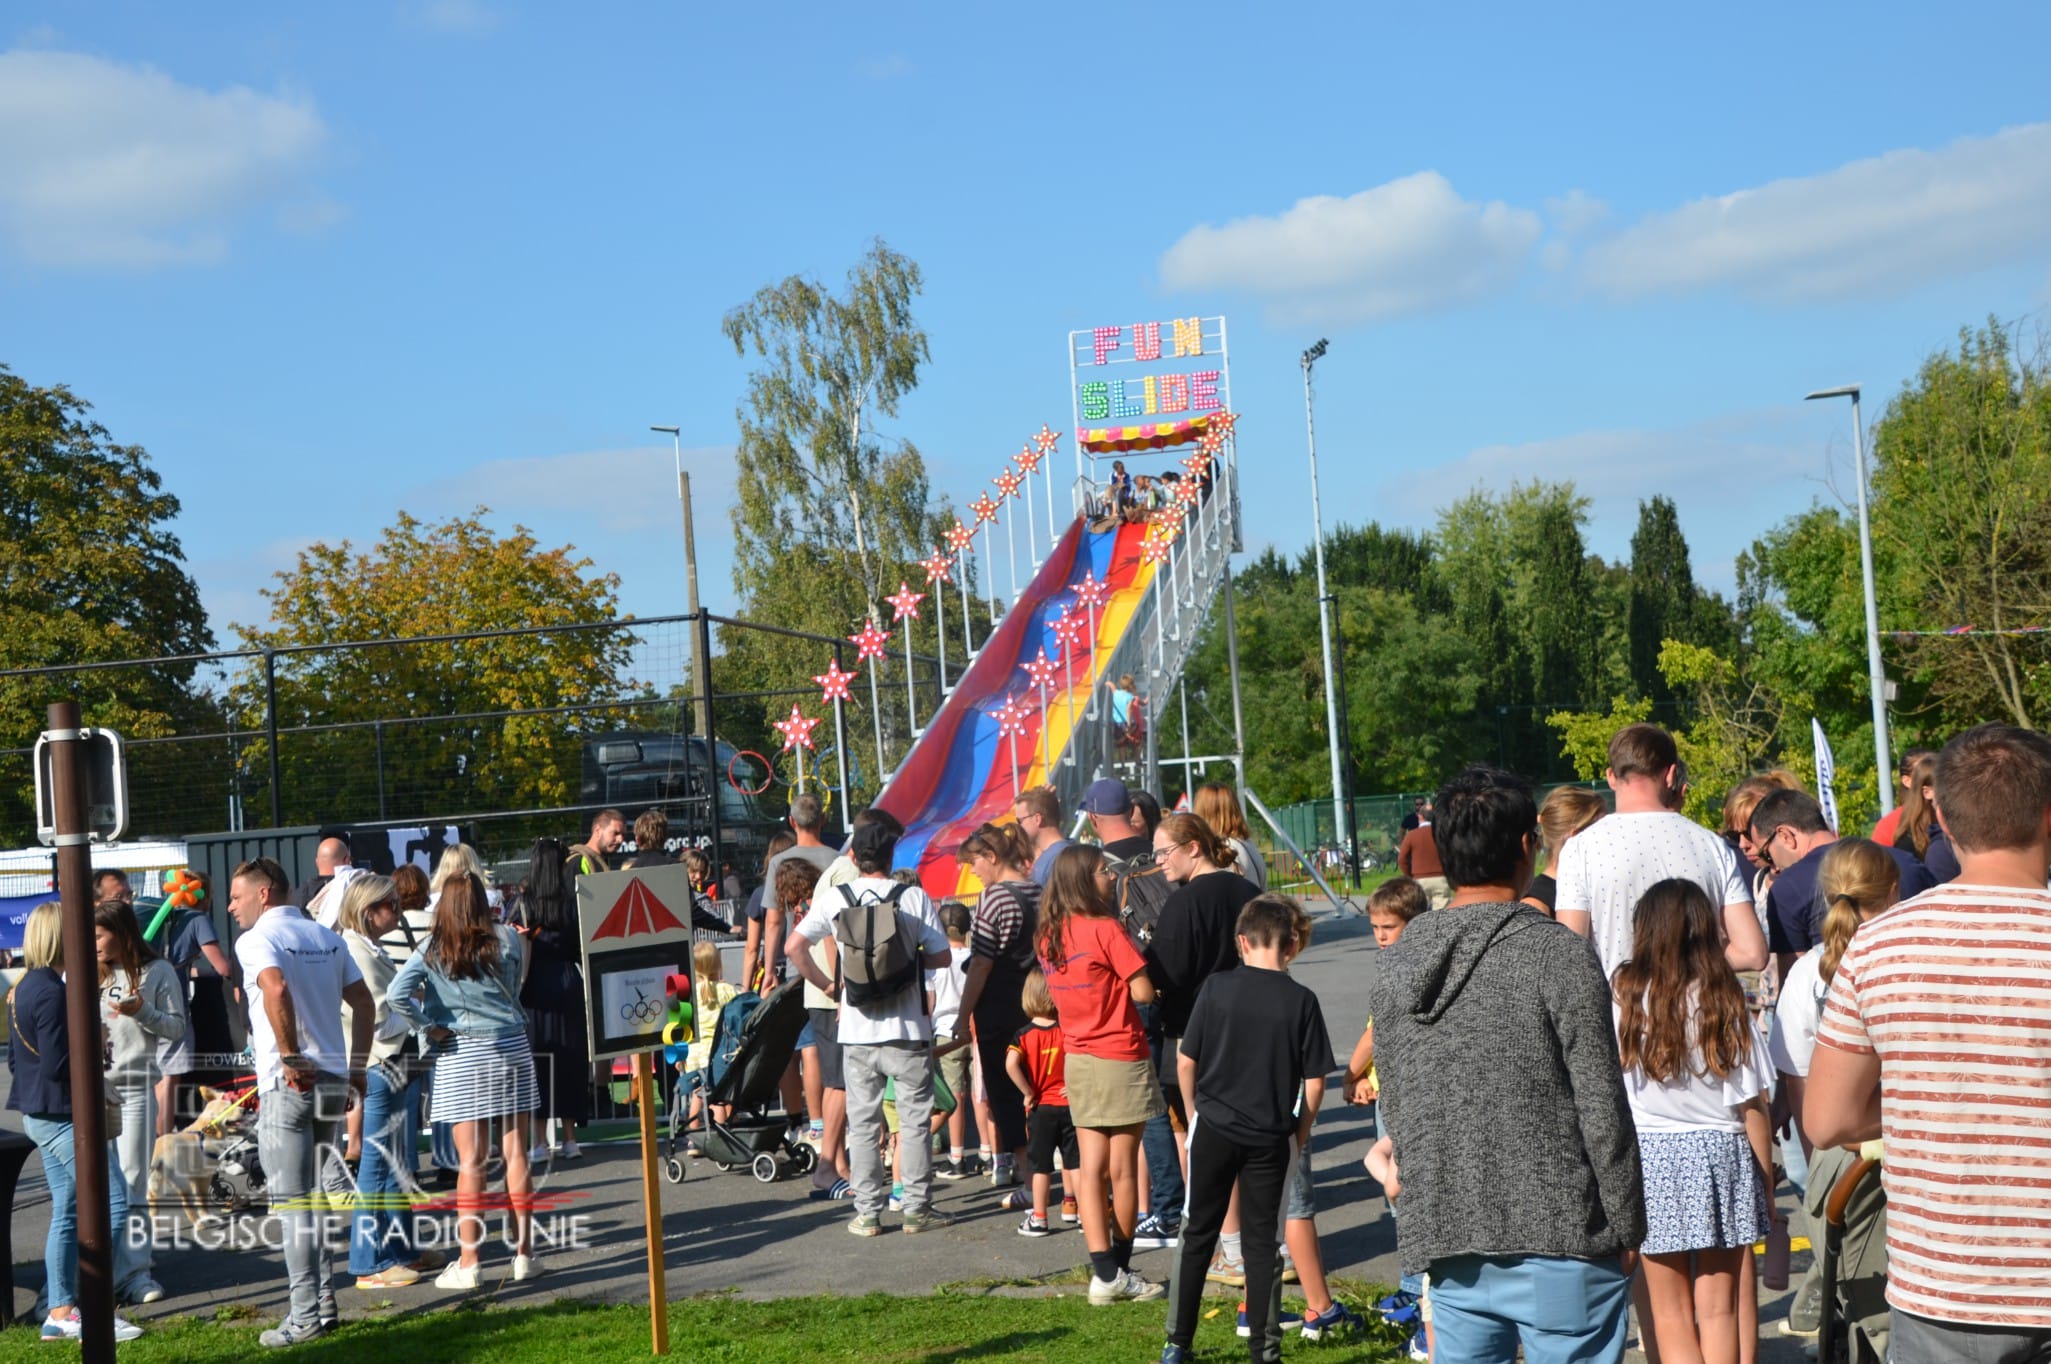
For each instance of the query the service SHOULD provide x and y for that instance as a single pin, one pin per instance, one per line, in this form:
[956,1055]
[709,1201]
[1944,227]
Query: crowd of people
[1600,1035]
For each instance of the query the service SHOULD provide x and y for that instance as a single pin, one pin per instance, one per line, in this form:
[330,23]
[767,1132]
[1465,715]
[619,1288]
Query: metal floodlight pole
[698,660]
[1876,671]
[1324,601]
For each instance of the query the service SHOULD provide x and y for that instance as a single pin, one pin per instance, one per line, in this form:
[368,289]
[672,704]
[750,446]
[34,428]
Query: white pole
[990,558]
[876,714]
[1011,555]
[940,628]
[1324,600]
[840,747]
[968,640]
[911,698]
[1046,740]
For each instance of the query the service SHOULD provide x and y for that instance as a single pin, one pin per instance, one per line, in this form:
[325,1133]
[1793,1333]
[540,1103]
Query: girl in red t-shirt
[1096,976]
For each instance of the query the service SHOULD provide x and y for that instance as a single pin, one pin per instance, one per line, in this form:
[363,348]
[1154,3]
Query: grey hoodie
[1501,1088]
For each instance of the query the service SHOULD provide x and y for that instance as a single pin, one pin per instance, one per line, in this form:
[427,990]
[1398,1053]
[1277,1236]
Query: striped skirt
[484,1077]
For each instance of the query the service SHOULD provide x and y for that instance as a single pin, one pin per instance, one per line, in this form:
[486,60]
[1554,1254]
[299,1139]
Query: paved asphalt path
[729,1233]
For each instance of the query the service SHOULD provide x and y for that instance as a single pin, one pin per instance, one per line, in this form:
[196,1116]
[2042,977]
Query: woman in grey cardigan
[142,999]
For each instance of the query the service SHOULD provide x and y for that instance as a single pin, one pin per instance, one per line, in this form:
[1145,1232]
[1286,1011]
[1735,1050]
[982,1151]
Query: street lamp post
[1876,672]
[1324,600]
[700,683]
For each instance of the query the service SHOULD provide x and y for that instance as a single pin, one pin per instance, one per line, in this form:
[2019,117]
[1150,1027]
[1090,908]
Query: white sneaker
[459,1276]
[1126,1287]
[571,1150]
[538,1155]
[526,1266]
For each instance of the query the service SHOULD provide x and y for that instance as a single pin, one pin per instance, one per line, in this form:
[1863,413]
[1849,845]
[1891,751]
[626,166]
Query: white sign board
[636,929]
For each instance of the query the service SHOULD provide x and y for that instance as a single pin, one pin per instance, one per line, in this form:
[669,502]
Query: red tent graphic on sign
[637,912]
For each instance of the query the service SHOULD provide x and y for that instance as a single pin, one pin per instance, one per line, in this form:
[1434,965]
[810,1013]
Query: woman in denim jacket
[463,991]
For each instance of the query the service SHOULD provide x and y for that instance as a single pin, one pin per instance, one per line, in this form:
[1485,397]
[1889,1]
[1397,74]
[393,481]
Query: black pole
[703,625]
[82,1018]
[270,721]
[378,732]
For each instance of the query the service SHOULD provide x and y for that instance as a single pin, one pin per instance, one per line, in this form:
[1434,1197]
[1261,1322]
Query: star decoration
[1011,719]
[1166,524]
[1041,669]
[1047,440]
[1070,629]
[1221,422]
[1007,483]
[1187,491]
[797,730]
[1028,459]
[960,537]
[1196,463]
[871,642]
[936,568]
[906,602]
[1153,551]
[833,683]
[984,508]
[1092,591]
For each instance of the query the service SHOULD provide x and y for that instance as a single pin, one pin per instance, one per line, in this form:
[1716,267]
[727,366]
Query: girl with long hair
[143,1001]
[1097,978]
[1696,1074]
[1918,830]
[1002,930]
[558,1024]
[1216,805]
[463,990]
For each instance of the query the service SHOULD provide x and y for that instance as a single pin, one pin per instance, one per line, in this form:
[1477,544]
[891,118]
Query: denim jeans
[297,1138]
[53,1137]
[1165,1192]
[1561,1310]
[136,1143]
[381,1233]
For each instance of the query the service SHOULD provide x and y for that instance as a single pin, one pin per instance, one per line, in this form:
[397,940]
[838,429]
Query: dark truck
[636,771]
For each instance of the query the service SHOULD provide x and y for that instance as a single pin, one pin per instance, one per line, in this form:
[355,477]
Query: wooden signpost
[636,929]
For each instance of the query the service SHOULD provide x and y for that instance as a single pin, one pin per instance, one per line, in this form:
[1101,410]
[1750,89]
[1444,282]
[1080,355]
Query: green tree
[90,572]
[832,513]
[1662,593]
[456,577]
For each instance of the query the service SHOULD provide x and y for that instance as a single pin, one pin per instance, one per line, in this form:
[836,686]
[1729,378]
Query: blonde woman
[1217,806]
[1566,812]
[39,1055]
[381,1252]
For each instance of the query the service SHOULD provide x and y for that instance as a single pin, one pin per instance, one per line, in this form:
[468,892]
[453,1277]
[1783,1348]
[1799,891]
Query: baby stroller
[751,1050]
[211,1169]
[1847,1200]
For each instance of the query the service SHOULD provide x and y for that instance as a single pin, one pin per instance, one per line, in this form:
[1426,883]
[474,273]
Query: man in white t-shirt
[883,1041]
[299,975]
[1606,867]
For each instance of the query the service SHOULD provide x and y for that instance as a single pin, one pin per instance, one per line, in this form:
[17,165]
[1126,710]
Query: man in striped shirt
[1937,1035]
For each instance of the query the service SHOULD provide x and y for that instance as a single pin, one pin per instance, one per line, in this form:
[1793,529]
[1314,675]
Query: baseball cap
[1107,797]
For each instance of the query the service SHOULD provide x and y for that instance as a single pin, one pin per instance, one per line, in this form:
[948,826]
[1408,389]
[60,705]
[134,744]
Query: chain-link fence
[1311,824]
[510,733]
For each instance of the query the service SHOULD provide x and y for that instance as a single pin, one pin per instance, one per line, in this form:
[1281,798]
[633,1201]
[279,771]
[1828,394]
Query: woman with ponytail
[1857,880]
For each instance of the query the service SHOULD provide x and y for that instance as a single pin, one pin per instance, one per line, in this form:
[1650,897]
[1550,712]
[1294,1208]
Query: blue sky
[327,262]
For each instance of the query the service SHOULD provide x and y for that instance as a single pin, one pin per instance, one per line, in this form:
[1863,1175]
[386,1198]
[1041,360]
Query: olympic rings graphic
[768,772]
[642,1010]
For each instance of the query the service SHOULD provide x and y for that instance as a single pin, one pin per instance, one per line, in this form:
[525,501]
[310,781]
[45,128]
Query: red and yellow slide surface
[958,775]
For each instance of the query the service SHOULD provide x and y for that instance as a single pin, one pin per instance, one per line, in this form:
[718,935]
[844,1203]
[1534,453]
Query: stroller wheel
[765,1168]
[674,1168]
[726,1167]
[803,1158]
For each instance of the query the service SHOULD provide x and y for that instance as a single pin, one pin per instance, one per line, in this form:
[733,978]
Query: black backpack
[1141,891]
[879,948]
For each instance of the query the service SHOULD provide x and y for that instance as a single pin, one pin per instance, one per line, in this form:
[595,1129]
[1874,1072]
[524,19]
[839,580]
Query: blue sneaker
[1336,1320]
[1291,1321]
[1171,1353]
[1400,1309]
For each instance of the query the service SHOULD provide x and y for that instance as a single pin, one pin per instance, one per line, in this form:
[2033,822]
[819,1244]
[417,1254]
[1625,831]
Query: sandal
[840,1191]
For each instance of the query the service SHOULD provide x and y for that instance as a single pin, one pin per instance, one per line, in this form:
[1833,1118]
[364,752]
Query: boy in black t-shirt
[1255,1038]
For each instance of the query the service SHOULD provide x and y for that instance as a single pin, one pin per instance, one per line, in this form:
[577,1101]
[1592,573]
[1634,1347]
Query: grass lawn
[930,1330]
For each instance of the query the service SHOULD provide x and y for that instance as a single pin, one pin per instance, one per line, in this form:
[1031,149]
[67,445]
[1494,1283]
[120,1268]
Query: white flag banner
[1826,775]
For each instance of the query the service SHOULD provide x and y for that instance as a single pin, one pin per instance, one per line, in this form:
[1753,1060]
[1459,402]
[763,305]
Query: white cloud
[1411,245]
[105,164]
[451,16]
[1883,224]
[1576,212]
